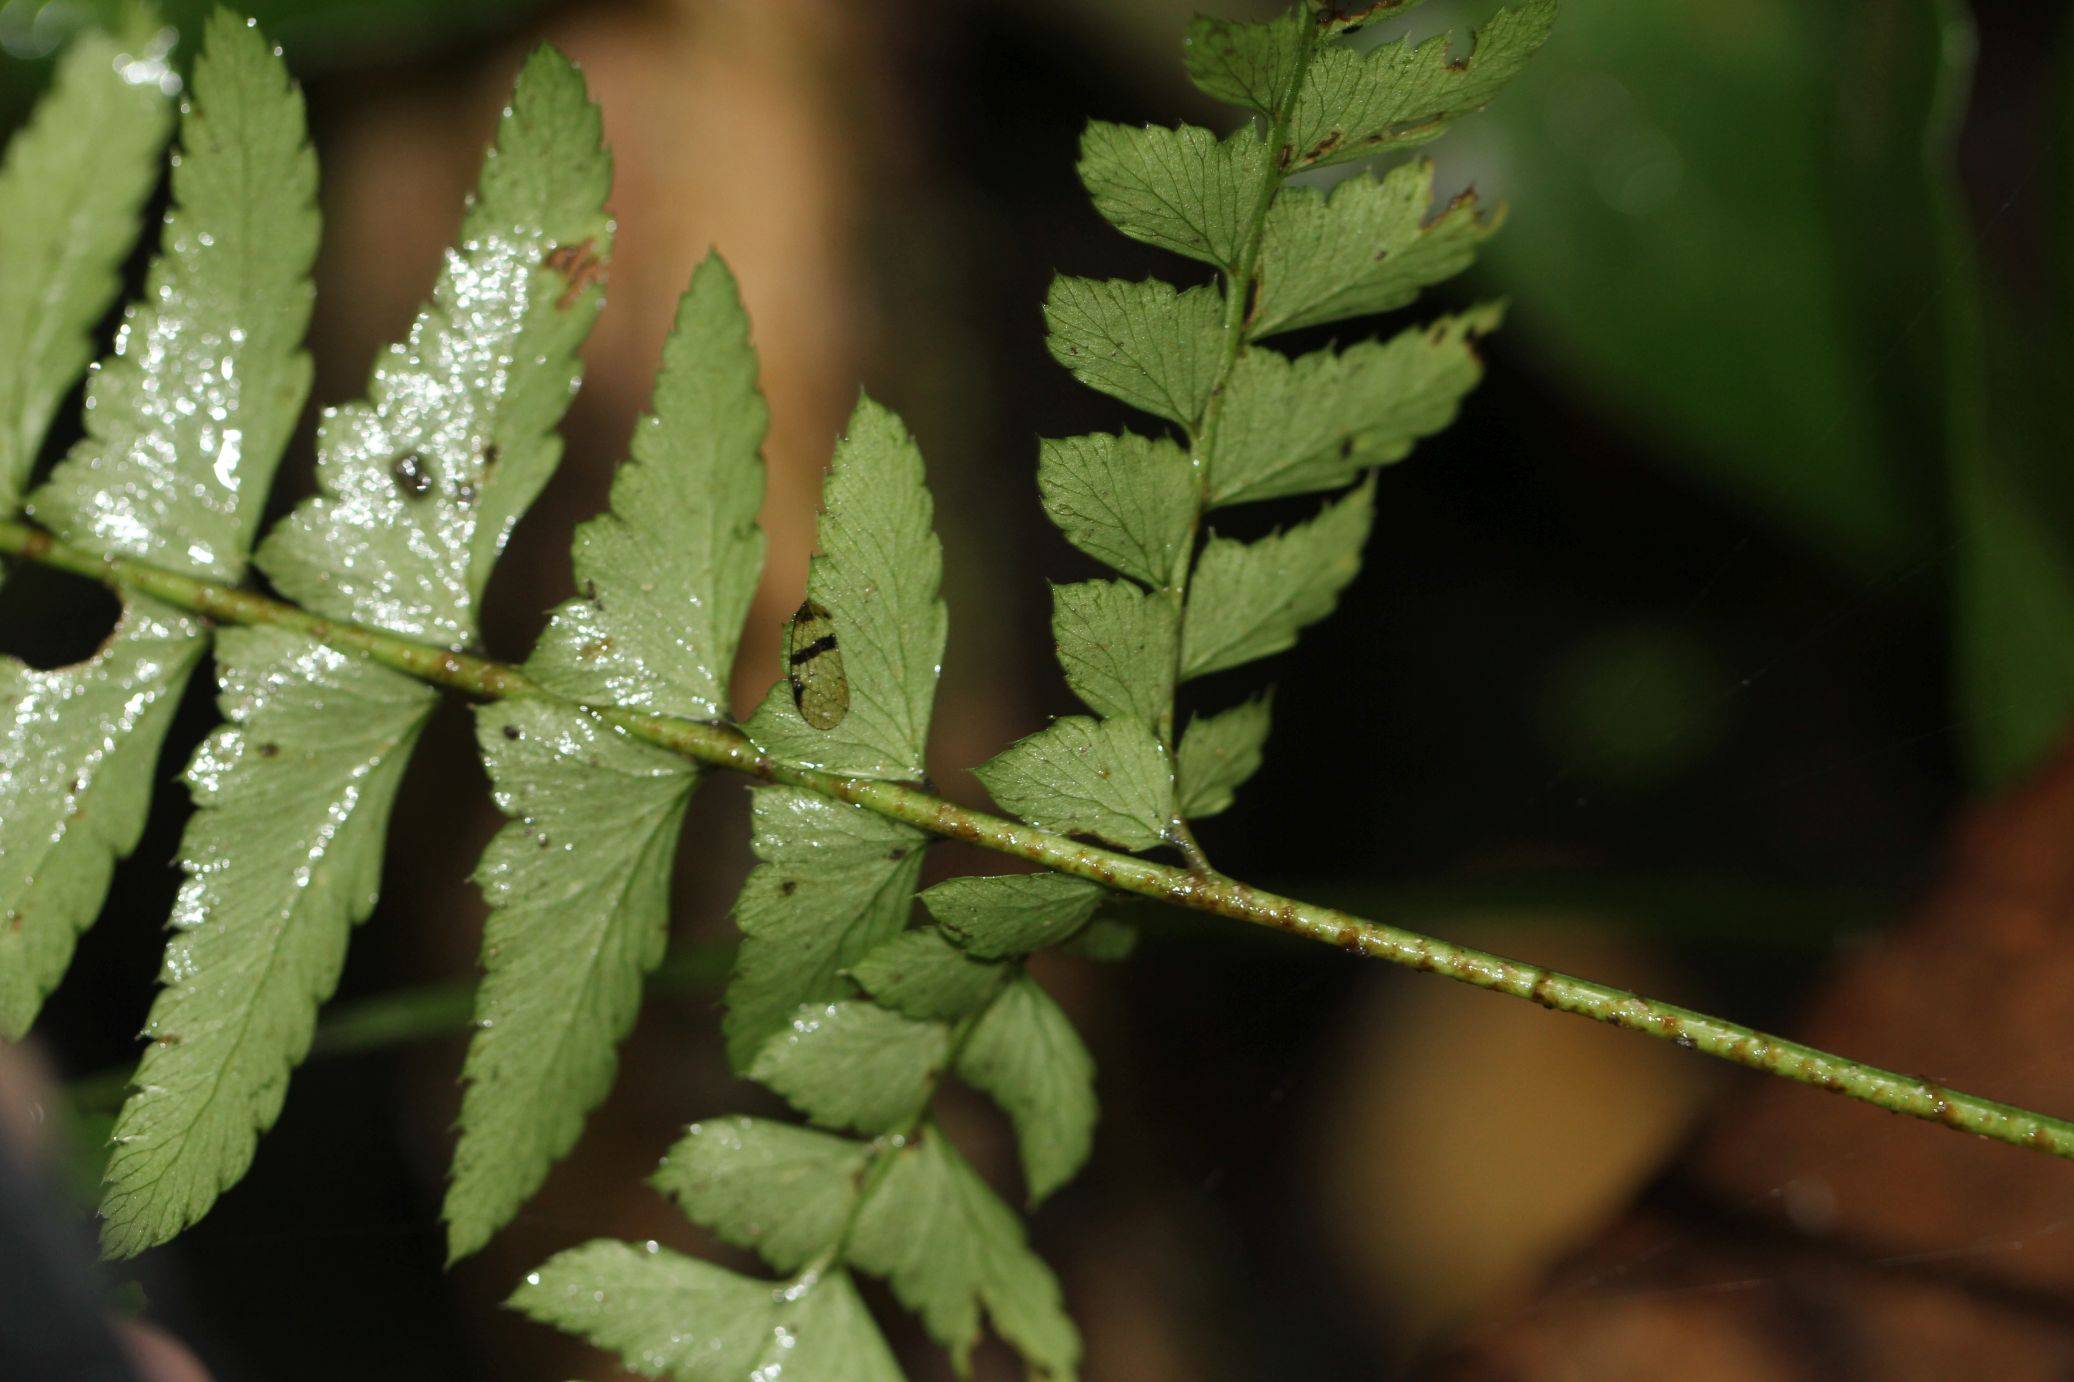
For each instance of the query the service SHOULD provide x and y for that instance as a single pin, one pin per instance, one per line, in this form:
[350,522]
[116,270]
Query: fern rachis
[845,1000]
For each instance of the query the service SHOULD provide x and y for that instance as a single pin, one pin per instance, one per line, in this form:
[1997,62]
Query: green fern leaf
[780,1191]
[579,881]
[1315,422]
[579,886]
[74,183]
[185,422]
[1149,344]
[667,1315]
[1080,775]
[1353,104]
[422,484]
[259,926]
[456,427]
[878,577]
[668,574]
[1010,915]
[948,1246]
[922,975]
[1251,599]
[1218,753]
[1366,248]
[81,744]
[855,1065]
[1025,1053]
[1125,500]
[835,881]
[1253,65]
[1182,189]
[1116,644]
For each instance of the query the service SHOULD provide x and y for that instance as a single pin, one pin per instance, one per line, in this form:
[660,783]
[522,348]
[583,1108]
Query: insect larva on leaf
[814,663]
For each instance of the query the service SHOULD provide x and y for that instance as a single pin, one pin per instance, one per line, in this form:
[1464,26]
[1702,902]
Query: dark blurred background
[1749,565]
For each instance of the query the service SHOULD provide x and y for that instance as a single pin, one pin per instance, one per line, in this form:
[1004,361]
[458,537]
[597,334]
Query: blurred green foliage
[1634,705]
[1739,233]
[316,34]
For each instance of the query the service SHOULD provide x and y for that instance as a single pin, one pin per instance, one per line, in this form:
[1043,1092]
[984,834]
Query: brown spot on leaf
[579,267]
[413,476]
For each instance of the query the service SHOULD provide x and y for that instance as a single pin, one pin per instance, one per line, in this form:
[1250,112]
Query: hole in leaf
[54,620]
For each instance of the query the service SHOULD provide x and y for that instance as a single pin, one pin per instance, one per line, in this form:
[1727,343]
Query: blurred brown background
[1649,676]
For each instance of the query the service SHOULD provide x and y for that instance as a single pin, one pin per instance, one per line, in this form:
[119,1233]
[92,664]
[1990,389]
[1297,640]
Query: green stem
[724,747]
[1239,279]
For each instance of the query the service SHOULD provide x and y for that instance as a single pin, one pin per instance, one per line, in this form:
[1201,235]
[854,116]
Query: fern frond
[81,744]
[854,1065]
[1024,1053]
[1251,599]
[579,881]
[1318,421]
[1366,247]
[1011,915]
[1217,754]
[832,881]
[74,182]
[185,422]
[1085,776]
[877,578]
[921,974]
[783,1192]
[949,1248]
[1125,500]
[420,488]
[667,1315]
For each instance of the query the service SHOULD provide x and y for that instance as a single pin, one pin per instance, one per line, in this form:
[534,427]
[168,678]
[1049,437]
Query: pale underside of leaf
[948,1246]
[1353,104]
[1181,189]
[667,576]
[855,1065]
[282,856]
[668,1315]
[921,974]
[1246,64]
[422,484]
[836,880]
[1366,248]
[1251,599]
[82,746]
[186,421]
[1125,500]
[74,183]
[578,884]
[1147,343]
[784,1192]
[1009,915]
[1116,644]
[1106,778]
[1218,753]
[878,576]
[1315,422]
[1026,1055]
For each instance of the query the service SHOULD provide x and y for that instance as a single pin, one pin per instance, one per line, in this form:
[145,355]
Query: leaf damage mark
[579,266]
